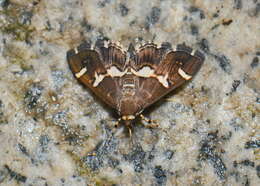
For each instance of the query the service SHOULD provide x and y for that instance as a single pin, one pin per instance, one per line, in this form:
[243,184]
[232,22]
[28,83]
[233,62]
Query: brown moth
[130,81]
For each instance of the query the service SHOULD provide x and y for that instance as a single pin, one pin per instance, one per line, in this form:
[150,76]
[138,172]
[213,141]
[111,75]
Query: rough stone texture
[54,132]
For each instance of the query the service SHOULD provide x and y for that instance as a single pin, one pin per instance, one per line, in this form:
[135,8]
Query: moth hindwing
[129,81]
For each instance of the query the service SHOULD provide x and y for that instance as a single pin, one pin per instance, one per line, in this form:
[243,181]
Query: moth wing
[170,70]
[89,65]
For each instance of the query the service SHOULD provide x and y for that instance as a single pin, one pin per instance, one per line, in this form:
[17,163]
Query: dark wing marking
[170,64]
[87,63]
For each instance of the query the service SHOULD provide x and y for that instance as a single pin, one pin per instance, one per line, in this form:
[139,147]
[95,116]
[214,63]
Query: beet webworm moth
[131,80]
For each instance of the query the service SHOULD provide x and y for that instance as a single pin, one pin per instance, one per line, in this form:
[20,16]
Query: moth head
[127,119]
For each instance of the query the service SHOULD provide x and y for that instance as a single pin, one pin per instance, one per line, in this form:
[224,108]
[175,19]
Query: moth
[131,80]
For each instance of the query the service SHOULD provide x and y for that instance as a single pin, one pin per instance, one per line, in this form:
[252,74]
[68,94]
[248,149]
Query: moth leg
[118,122]
[92,154]
[150,123]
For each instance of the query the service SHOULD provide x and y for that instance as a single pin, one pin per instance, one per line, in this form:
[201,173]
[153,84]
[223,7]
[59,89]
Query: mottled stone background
[54,132]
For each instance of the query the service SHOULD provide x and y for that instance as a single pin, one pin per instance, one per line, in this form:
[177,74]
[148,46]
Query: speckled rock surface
[53,131]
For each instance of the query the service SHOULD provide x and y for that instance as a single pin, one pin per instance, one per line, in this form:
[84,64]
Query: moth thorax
[129,106]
